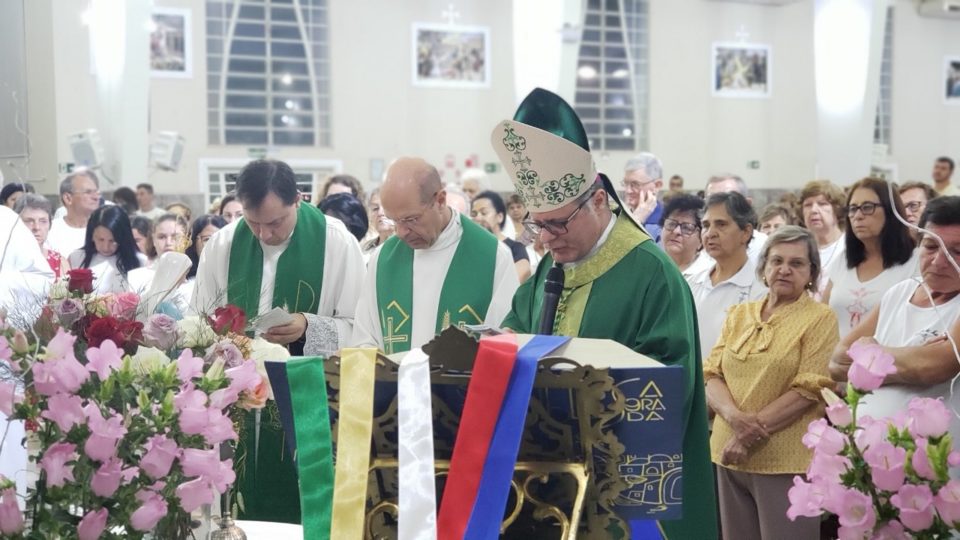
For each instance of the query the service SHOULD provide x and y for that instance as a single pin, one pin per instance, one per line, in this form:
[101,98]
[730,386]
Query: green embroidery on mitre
[544,150]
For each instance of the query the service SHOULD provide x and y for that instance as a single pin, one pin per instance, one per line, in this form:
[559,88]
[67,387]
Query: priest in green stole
[289,255]
[440,269]
[618,284]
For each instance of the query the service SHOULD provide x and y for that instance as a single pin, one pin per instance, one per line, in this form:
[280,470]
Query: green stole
[299,270]
[464,298]
[266,474]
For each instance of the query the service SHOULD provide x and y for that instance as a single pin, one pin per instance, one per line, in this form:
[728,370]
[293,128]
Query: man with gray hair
[642,181]
[80,195]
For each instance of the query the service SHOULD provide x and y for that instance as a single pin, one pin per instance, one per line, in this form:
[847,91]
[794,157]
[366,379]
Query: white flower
[59,290]
[148,360]
[263,350]
[195,333]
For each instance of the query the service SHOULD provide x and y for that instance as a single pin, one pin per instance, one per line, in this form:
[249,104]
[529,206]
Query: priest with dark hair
[618,284]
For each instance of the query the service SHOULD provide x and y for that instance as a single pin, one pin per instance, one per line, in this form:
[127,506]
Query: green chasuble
[266,475]
[629,291]
[464,298]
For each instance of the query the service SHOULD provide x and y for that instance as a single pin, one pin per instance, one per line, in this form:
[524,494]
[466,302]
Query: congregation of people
[764,302]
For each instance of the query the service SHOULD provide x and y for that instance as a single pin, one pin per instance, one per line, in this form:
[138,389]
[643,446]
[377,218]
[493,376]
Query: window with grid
[268,72]
[881,124]
[222,181]
[612,73]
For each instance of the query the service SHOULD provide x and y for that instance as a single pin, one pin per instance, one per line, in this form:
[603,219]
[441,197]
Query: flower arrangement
[884,478]
[127,417]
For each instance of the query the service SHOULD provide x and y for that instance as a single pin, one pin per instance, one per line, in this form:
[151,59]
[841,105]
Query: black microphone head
[553,284]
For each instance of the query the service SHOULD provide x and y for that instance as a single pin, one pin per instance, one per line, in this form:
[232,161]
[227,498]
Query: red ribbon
[485,393]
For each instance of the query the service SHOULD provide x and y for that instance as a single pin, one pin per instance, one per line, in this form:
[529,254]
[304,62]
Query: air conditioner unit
[167,150]
[87,149]
[941,9]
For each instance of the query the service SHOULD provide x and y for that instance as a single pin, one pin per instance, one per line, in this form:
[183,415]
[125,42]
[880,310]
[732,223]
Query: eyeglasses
[686,229]
[412,221]
[556,227]
[867,208]
[625,184]
[914,206]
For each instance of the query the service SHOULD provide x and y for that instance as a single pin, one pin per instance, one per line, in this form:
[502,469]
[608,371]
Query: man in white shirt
[283,253]
[440,269]
[80,195]
[320,289]
[24,272]
[146,203]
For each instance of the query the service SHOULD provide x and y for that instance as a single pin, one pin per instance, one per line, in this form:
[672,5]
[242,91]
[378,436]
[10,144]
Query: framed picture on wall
[741,70]
[951,80]
[170,52]
[451,55]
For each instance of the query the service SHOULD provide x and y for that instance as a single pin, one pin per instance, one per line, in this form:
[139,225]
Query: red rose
[132,332]
[80,280]
[103,329]
[229,318]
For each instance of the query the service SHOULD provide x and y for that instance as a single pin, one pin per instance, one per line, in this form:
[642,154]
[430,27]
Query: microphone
[552,287]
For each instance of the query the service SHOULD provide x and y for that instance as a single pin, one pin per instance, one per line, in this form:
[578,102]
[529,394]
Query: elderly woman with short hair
[36,212]
[763,380]
[727,227]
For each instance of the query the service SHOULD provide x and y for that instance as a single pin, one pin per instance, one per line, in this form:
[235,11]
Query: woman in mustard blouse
[763,379]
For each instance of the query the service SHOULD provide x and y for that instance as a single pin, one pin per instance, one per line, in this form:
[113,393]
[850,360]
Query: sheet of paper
[275,317]
[482,329]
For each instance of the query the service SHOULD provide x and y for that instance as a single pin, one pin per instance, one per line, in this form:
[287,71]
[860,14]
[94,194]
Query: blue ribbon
[502,456]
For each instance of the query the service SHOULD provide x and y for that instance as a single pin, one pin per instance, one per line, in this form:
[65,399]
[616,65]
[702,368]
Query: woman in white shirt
[109,250]
[880,253]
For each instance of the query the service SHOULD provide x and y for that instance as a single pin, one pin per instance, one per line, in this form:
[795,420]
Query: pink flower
[839,414]
[161,451]
[855,510]
[916,506]
[823,438]
[256,398]
[65,410]
[60,372]
[194,493]
[5,352]
[11,519]
[806,498]
[947,502]
[224,397]
[196,462]
[219,428]
[107,478]
[921,461]
[244,376]
[928,417]
[189,366]
[892,530]
[92,524]
[827,467]
[160,331]
[104,434]
[871,365]
[953,458]
[871,432]
[54,463]
[104,359]
[151,511]
[8,397]
[124,305]
[886,465]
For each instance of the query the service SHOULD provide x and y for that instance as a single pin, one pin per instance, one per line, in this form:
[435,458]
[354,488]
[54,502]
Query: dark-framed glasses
[867,208]
[686,229]
[555,227]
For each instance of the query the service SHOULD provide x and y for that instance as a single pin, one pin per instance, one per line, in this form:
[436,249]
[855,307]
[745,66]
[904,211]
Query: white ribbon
[418,498]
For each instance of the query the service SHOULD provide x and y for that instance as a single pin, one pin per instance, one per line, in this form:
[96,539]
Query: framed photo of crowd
[951,80]
[451,55]
[741,70]
[170,52]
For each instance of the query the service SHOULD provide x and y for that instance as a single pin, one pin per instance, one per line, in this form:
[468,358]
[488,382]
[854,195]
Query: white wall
[923,126]
[378,114]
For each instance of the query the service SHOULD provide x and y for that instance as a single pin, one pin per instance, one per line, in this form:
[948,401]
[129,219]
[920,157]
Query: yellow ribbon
[355,430]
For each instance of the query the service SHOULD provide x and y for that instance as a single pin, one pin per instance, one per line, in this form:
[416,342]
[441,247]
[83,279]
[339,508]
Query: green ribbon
[311,422]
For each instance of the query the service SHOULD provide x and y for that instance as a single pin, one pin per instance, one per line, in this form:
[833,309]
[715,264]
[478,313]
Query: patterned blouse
[762,360]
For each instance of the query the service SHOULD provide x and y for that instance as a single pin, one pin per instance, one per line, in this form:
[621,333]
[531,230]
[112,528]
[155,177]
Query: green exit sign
[491,167]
